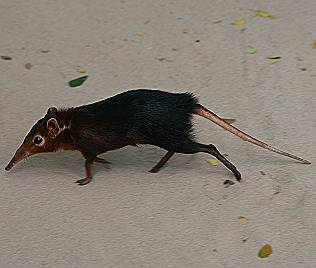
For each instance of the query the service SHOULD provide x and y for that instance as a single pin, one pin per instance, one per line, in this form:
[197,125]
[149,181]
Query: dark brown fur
[130,118]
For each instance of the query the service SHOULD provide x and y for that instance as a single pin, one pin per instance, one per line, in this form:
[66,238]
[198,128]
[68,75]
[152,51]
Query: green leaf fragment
[139,33]
[251,50]
[274,57]
[77,81]
[264,14]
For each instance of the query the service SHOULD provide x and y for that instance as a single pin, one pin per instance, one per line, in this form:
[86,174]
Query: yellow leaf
[251,50]
[139,33]
[243,218]
[242,21]
[81,69]
[265,251]
[264,14]
[213,161]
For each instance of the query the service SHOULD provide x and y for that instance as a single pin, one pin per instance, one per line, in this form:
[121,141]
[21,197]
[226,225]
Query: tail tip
[306,162]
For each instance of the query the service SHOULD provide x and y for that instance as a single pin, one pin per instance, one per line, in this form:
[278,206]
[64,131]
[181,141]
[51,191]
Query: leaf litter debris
[265,251]
[251,50]
[228,183]
[243,218]
[6,58]
[28,66]
[274,58]
[77,81]
[213,161]
[264,14]
[147,20]
[81,69]
[139,33]
[241,21]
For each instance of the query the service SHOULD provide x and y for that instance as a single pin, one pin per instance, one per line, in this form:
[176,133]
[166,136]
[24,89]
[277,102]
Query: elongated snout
[19,155]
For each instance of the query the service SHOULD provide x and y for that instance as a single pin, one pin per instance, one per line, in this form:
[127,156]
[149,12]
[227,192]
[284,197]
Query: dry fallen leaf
[217,21]
[213,161]
[315,44]
[6,58]
[242,21]
[228,183]
[147,21]
[28,65]
[251,50]
[243,218]
[139,33]
[264,14]
[265,251]
[274,57]
[81,69]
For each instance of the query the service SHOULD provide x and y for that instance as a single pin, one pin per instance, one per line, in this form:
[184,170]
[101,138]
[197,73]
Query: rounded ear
[53,128]
[52,110]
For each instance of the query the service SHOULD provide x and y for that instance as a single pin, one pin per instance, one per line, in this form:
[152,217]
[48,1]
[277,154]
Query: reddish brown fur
[133,117]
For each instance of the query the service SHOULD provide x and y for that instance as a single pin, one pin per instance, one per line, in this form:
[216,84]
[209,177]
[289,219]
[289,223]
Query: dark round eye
[38,140]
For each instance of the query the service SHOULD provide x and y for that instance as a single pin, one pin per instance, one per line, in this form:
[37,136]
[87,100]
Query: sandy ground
[182,216]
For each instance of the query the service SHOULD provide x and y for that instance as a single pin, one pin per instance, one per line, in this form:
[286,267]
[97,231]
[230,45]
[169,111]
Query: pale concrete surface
[182,216]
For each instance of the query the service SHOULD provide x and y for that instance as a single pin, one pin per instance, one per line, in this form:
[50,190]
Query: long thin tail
[202,111]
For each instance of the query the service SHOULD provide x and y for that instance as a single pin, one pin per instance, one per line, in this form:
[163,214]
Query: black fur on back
[134,117]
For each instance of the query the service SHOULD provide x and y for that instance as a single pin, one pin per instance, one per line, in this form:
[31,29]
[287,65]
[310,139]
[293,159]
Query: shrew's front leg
[88,177]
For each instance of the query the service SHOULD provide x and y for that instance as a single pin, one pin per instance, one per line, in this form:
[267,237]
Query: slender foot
[162,162]
[213,151]
[84,181]
[193,147]
[88,178]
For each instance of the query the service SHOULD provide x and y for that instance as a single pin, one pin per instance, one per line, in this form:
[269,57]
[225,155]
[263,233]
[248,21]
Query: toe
[84,181]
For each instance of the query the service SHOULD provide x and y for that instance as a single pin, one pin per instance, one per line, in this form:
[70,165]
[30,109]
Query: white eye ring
[38,140]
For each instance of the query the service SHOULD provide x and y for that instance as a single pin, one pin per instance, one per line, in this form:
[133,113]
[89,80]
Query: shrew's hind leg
[192,147]
[162,162]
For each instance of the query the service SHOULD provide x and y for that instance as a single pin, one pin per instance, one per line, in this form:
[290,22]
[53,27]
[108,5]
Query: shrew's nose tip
[9,166]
